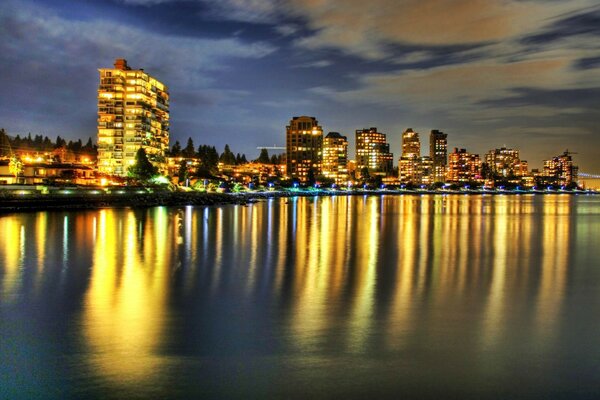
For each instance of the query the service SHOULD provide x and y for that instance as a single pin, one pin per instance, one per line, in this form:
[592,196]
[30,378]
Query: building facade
[438,153]
[463,167]
[304,148]
[409,165]
[335,157]
[373,153]
[411,144]
[505,163]
[560,170]
[133,113]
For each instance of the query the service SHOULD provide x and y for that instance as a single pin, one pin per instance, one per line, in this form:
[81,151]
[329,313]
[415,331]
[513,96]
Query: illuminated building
[505,163]
[411,145]
[304,148]
[463,167]
[409,165]
[426,170]
[373,152]
[560,170]
[42,172]
[438,152]
[133,112]
[335,157]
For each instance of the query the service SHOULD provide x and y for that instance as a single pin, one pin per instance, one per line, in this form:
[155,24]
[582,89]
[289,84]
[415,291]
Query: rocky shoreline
[15,202]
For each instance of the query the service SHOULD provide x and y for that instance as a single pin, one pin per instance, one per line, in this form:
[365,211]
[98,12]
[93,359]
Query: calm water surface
[341,297]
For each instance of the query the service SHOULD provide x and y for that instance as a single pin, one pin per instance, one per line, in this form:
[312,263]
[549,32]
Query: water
[341,297]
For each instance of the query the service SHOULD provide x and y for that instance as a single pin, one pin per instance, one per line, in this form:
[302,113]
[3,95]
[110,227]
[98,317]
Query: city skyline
[532,85]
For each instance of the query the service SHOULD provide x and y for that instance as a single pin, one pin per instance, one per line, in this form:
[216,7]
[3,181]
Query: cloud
[316,64]
[368,28]
[49,64]
[447,85]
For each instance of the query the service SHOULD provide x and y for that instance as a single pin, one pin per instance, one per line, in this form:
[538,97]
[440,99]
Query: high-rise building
[373,153]
[409,165]
[335,157]
[411,145]
[560,170]
[463,167]
[505,163]
[304,148]
[133,113]
[438,152]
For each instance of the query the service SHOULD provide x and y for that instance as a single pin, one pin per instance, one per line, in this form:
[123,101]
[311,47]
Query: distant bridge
[588,176]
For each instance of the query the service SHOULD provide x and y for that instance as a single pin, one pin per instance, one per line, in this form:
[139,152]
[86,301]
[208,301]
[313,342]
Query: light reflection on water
[339,296]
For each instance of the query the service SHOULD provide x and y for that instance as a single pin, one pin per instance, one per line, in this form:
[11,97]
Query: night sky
[524,74]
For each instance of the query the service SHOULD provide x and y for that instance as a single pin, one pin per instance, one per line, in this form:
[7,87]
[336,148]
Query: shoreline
[71,200]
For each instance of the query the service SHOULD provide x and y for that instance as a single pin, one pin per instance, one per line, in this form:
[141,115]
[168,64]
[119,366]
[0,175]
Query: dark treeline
[209,157]
[39,143]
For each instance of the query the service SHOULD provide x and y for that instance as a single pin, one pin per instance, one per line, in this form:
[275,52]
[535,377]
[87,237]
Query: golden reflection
[368,244]
[124,312]
[12,257]
[555,264]
[495,307]
[405,295]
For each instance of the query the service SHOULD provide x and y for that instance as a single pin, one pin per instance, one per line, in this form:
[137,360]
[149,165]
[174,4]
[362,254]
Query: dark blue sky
[523,74]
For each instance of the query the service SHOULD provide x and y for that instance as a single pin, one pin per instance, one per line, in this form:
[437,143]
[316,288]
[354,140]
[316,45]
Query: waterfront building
[411,145]
[438,152]
[48,173]
[409,164]
[373,153]
[463,167]
[133,113]
[304,148]
[426,170]
[560,170]
[506,163]
[258,173]
[335,157]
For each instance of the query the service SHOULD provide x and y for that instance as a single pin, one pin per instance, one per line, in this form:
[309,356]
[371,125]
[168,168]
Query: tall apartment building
[133,113]
[373,152]
[438,152]
[409,165]
[335,157]
[506,163]
[304,148]
[463,167]
[411,145]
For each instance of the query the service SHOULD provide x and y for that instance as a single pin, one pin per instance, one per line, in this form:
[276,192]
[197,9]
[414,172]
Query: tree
[311,179]
[263,158]
[143,169]
[176,149]
[189,150]
[60,142]
[184,172]
[227,157]
[364,173]
[15,166]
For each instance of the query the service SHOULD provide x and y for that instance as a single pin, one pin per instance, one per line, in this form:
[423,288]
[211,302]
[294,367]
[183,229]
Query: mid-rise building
[560,170]
[438,152]
[335,157]
[304,148]
[505,163]
[133,113]
[463,167]
[373,153]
